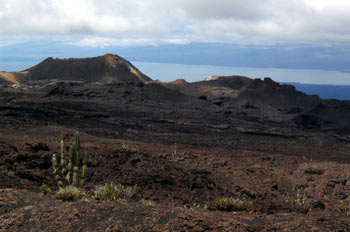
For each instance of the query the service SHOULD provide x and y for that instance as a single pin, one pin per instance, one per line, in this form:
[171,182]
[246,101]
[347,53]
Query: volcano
[104,69]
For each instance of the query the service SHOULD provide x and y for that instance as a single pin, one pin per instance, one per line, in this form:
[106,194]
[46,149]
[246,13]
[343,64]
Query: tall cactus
[66,171]
[84,169]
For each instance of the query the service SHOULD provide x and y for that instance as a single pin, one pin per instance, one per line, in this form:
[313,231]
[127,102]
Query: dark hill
[105,69]
[264,91]
[270,92]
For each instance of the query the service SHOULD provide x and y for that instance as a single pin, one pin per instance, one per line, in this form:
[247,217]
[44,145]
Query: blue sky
[296,34]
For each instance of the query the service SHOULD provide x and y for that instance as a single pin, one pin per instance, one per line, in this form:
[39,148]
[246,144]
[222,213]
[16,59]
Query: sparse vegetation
[125,146]
[71,169]
[196,206]
[344,207]
[69,193]
[44,189]
[233,204]
[26,139]
[148,202]
[114,192]
[298,197]
[174,151]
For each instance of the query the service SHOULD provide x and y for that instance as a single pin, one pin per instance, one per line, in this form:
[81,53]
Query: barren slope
[105,69]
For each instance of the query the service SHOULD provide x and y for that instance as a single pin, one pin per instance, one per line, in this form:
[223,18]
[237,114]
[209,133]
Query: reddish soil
[182,189]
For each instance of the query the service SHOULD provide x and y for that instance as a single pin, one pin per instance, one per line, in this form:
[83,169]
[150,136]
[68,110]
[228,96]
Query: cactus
[56,170]
[174,151]
[72,168]
[77,140]
[84,169]
[75,176]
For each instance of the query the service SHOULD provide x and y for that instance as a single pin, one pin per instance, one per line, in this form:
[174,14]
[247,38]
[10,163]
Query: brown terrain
[283,152]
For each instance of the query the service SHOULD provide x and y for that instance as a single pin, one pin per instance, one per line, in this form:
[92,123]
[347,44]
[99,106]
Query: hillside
[14,77]
[104,69]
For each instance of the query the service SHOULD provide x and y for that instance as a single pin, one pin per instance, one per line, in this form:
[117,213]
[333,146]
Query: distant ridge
[105,69]
[264,91]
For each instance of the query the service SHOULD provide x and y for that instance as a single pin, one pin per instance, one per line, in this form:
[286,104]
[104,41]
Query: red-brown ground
[175,193]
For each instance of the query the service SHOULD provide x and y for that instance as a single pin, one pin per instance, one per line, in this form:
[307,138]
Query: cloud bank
[94,23]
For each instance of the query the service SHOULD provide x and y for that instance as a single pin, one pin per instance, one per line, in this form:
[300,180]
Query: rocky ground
[290,164]
[175,193]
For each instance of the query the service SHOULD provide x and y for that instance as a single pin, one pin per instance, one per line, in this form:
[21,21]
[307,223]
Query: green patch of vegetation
[114,192]
[344,207]
[69,193]
[298,197]
[126,146]
[148,203]
[44,189]
[230,204]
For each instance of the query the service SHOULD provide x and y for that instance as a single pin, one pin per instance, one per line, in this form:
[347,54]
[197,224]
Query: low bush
[45,190]
[69,193]
[113,192]
[344,207]
[233,204]
[298,197]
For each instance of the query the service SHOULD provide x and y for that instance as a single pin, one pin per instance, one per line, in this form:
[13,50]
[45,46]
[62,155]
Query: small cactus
[84,169]
[66,171]
[77,140]
[174,151]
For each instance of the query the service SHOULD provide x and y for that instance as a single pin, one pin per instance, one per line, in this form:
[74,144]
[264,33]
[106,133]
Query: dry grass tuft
[113,192]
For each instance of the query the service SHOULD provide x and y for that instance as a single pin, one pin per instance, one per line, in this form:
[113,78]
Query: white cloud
[102,42]
[4,43]
[103,23]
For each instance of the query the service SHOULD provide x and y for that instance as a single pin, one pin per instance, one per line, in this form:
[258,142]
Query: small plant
[125,146]
[298,197]
[113,192]
[148,202]
[71,169]
[233,204]
[174,151]
[196,206]
[26,139]
[44,189]
[344,207]
[69,193]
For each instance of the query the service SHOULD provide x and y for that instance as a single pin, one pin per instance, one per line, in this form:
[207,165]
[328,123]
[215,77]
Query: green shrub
[298,197]
[113,192]
[148,202]
[69,193]
[233,204]
[44,189]
[344,207]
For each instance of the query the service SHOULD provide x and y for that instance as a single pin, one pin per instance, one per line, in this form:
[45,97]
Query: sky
[297,34]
